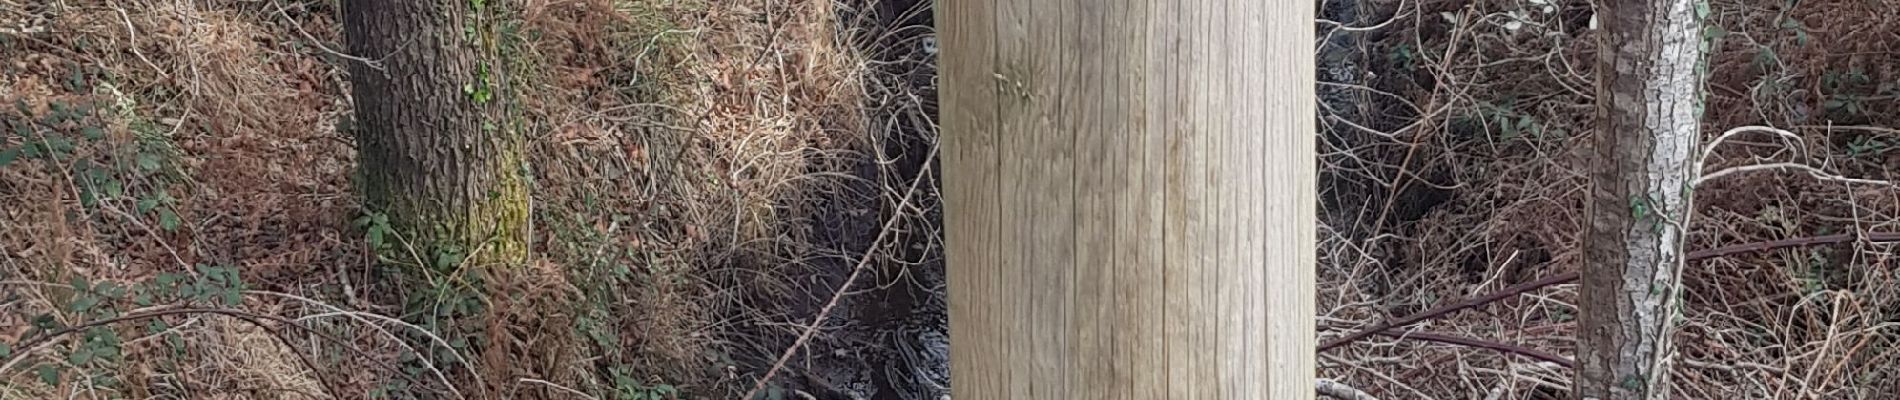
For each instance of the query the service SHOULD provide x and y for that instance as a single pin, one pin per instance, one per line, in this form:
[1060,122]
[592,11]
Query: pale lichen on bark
[1641,199]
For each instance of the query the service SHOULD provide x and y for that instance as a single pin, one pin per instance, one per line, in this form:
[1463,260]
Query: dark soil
[889,337]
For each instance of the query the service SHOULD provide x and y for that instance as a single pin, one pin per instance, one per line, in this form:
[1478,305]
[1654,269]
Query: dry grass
[679,149]
[1464,205]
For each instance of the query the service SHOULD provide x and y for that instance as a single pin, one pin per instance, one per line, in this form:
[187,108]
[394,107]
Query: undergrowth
[1456,171]
[676,148]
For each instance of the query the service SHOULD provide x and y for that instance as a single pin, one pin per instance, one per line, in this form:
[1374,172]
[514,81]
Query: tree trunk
[1649,92]
[1130,198]
[438,147]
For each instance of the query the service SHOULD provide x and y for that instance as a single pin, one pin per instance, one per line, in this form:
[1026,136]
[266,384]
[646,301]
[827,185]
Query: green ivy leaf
[212,272]
[49,374]
[77,80]
[148,162]
[80,356]
[8,155]
[84,303]
[167,279]
[57,114]
[88,198]
[110,289]
[57,143]
[375,236]
[447,259]
[167,219]
[81,284]
[190,291]
[114,188]
[109,352]
[93,133]
[45,322]
[6,351]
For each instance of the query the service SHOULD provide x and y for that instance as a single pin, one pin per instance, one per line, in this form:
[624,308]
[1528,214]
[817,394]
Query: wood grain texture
[1130,194]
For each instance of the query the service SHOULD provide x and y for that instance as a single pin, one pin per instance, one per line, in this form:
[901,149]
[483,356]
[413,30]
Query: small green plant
[1866,146]
[1402,57]
[1502,122]
[1842,87]
[376,231]
[41,139]
[138,170]
[95,345]
[1799,29]
[628,388]
[1814,280]
[393,390]
[1561,314]
[1766,59]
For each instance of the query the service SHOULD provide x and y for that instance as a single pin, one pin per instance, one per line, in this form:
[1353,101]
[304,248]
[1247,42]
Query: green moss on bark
[440,151]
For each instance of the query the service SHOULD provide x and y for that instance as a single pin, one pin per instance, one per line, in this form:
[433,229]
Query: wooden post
[1130,198]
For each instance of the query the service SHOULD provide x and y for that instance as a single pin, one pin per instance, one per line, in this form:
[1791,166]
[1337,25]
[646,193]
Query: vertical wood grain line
[1147,229]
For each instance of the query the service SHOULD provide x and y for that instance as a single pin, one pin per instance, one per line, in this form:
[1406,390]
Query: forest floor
[1452,168]
[705,174]
[709,173]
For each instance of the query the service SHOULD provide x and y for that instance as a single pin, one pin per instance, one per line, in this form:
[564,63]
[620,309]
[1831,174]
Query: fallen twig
[1568,277]
[863,262]
[1508,291]
[1334,389]
[1481,343]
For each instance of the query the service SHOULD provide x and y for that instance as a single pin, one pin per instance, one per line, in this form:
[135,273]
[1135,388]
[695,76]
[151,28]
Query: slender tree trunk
[438,148]
[1648,113]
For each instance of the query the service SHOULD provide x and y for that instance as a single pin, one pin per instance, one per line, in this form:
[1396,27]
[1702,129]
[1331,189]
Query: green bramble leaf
[80,356]
[167,219]
[49,374]
[8,155]
[148,162]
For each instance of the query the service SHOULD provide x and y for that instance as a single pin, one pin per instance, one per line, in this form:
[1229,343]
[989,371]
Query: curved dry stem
[363,318]
[1817,173]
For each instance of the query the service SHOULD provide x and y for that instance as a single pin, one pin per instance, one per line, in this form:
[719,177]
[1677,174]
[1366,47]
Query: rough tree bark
[1648,113]
[438,148]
